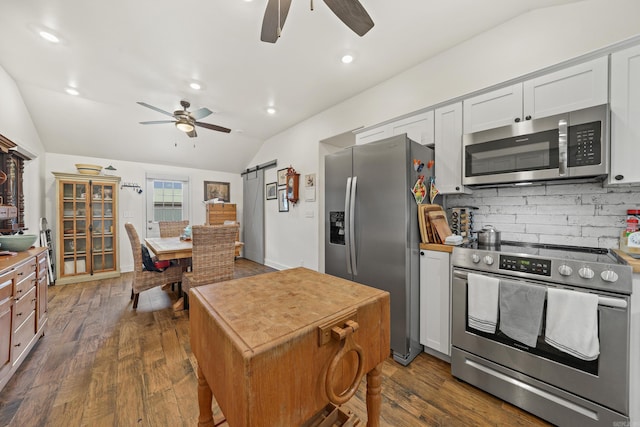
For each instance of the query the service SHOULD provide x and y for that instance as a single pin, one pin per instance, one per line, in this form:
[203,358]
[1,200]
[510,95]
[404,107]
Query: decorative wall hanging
[271,191]
[217,190]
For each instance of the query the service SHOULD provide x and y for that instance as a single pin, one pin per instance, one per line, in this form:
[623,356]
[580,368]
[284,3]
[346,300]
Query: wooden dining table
[168,248]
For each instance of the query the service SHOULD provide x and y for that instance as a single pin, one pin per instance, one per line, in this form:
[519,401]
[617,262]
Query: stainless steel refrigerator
[371,228]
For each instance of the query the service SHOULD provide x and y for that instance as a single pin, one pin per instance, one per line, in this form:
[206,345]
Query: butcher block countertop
[634,263]
[436,247]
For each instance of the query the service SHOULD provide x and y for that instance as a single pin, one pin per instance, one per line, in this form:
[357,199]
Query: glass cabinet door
[74,227]
[102,223]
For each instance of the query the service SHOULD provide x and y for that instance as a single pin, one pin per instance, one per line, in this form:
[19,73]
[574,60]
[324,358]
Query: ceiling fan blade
[155,122]
[270,22]
[201,113]
[144,104]
[192,134]
[353,14]
[213,127]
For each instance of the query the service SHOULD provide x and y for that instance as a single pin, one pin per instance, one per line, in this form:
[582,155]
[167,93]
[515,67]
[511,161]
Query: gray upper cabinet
[418,127]
[625,116]
[572,88]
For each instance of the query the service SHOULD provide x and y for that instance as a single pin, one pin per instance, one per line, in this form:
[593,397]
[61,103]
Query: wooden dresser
[23,307]
[218,213]
[275,349]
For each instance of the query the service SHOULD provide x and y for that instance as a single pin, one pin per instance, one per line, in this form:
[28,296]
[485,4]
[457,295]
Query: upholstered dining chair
[213,256]
[143,279]
[172,228]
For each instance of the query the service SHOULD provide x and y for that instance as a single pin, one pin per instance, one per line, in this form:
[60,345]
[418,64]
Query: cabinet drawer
[6,285]
[5,333]
[42,264]
[23,336]
[23,287]
[23,307]
[23,271]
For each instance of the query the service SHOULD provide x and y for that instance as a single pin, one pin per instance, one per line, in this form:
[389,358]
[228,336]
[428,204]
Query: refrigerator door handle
[352,227]
[347,225]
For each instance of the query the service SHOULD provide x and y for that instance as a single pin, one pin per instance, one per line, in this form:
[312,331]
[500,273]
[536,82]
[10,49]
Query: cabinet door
[419,128]
[493,109]
[573,88]
[102,227]
[434,301]
[448,149]
[371,135]
[74,239]
[625,116]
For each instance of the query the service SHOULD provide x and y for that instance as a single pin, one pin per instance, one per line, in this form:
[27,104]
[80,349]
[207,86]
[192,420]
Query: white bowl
[86,169]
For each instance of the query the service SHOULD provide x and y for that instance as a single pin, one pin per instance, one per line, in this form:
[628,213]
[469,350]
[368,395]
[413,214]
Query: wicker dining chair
[143,279]
[213,256]
[172,228]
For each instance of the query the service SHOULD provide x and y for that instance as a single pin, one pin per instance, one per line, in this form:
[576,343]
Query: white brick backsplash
[565,189]
[542,219]
[554,200]
[597,221]
[513,210]
[534,190]
[586,210]
[587,214]
[599,232]
[559,230]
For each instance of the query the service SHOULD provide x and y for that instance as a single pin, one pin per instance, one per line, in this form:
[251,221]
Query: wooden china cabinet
[87,227]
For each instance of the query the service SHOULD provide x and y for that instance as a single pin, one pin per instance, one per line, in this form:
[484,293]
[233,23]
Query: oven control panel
[541,267]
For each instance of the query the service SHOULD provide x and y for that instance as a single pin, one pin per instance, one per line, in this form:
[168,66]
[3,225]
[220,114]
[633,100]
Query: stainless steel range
[538,376]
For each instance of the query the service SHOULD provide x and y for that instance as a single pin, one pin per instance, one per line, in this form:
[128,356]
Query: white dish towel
[572,323]
[482,302]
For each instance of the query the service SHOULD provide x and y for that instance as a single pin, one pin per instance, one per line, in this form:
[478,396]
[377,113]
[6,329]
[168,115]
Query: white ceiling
[118,52]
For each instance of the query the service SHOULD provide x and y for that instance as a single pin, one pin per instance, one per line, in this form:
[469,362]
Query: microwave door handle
[347,225]
[562,147]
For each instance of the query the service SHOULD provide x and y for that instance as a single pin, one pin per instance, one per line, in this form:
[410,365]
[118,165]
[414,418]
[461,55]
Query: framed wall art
[282,177]
[283,202]
[217,190]
[271,190]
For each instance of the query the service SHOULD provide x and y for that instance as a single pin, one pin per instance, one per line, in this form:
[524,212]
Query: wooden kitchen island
[280,348]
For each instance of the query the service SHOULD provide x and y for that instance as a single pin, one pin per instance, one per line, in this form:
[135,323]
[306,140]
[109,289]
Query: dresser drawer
[22,287]
[24,270]
[42,264]
[23,307]
[6,285]
[23,336]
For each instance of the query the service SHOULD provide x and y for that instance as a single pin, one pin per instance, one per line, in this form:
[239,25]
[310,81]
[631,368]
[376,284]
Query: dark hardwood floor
[101,363]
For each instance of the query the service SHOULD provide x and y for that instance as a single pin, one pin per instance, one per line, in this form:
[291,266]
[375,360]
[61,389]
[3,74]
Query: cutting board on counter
[434,227]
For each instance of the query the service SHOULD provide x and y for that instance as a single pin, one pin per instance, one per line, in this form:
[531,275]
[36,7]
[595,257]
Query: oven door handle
[602,300]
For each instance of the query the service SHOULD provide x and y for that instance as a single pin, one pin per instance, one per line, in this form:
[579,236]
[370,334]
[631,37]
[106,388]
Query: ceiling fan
[351,12]
[186,121]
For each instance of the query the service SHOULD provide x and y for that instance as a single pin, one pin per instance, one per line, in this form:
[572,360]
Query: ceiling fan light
[185,126]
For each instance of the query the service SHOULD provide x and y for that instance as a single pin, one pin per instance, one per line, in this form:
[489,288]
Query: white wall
[134,203]
[525,44]
[16,125]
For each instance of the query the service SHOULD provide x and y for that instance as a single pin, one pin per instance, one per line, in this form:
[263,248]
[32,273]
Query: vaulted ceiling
[118,52]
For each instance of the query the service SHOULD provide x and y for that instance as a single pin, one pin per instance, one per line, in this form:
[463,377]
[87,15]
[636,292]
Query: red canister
[633,220]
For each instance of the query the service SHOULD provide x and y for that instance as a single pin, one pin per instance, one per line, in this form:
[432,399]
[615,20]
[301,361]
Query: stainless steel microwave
[570,145]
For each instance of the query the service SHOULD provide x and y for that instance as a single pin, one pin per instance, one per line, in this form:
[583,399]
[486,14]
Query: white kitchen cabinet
[418,127]
[448,149]
[572,88]
[625,116]
[435,289]
[373,134]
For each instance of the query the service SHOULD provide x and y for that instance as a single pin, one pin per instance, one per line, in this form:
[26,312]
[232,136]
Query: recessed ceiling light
[347,59]
[48,36]
[72,91]
[271,110]
[195,85]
